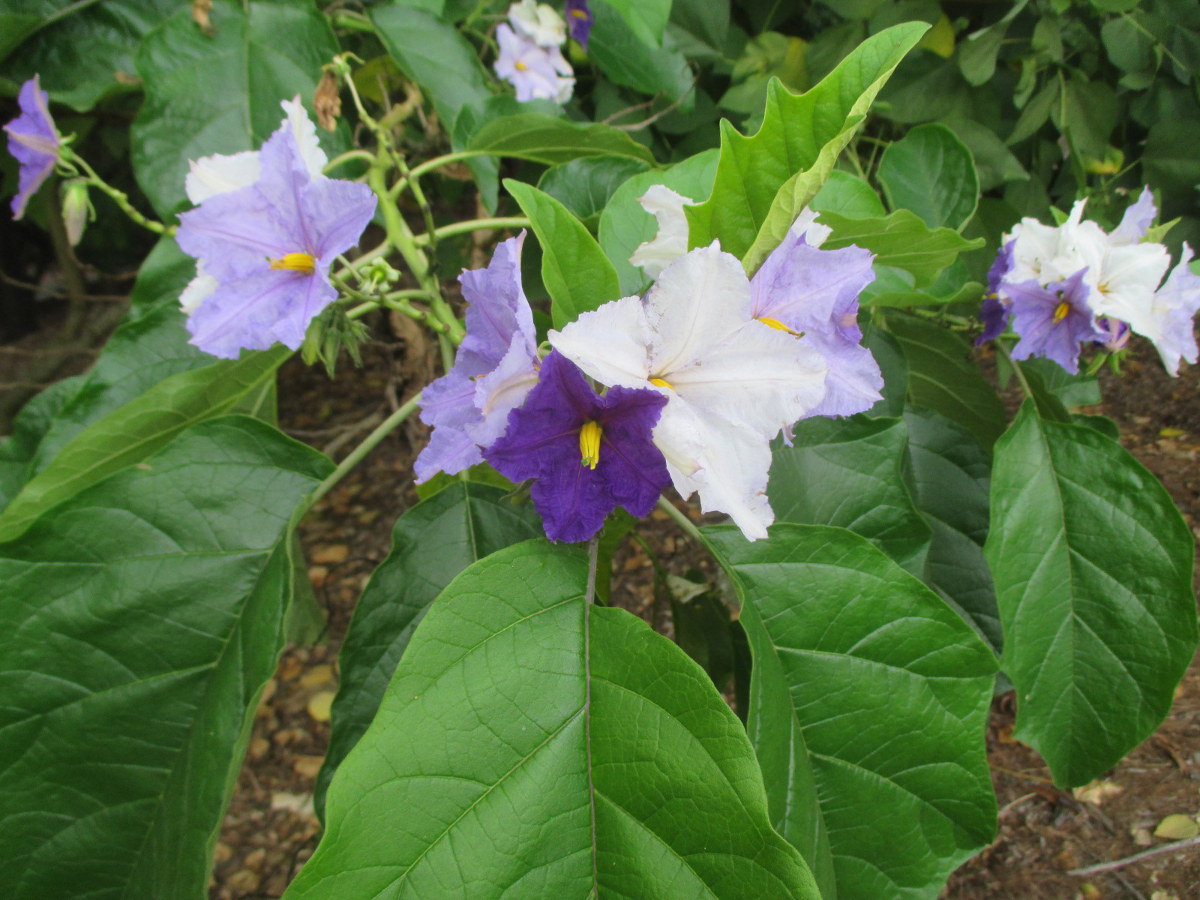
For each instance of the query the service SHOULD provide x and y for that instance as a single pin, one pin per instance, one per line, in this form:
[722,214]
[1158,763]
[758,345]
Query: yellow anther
[777,325]
[589,443]
[296,262]
[661,382]
[577,13]
[520,66]
[1061,311]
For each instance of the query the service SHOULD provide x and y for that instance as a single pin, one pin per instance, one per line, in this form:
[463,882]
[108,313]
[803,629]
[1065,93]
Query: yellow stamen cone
[589,443]
[296,262]
[661,382]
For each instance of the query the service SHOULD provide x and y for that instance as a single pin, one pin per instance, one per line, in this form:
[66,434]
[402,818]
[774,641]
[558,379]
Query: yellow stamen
[296,262]
[1061,311]
[661,382]
[578,13]
[777,325]
[520,66]
[589,443]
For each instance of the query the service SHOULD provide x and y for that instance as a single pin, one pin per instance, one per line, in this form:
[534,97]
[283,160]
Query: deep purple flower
[995,313]
[33,141]
[496,367]
[589,454]
[269,247]
[813,293]
[579,20]
[1053,321]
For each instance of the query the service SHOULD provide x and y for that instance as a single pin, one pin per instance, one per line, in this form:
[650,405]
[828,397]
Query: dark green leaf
[141,620]
[575,270]
[850,473]
[532,745]
[431,544]
[1093,570]
[631,58]
[586,185]
[902,240]
[221,94]
[890,357]
[552,141]
[867,709]
[977,54]
[931,172]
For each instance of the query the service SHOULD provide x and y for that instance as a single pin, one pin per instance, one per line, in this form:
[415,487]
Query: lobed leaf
[902,240]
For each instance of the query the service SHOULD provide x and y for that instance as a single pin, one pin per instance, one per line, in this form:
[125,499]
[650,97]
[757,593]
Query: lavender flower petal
[1053,321]
[33,141]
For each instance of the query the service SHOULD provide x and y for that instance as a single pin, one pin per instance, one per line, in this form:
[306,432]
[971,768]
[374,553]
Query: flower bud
[76,209]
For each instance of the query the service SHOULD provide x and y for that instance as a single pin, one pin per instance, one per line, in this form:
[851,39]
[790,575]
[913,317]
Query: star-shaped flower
[731,382]
[536,72]
[33,141]
[265,251]
[496,366]
[1053,320]
[589,454]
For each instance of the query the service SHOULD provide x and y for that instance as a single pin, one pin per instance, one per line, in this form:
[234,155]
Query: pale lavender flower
[496,366]
[1053,320]
[266,250]
[33,141]
[1171,313]
[536,72]
[1137,219]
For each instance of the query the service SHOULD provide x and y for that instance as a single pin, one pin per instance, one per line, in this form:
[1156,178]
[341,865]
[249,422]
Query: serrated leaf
[931,172]
[221,94]
[950,484]
[133,431]
[763,181]
[1093,571]
[553,141]
[577,274]
[531,744]
[431,544]
[850,473]
[902,240]
[141,620]
[868,705]
[624,224]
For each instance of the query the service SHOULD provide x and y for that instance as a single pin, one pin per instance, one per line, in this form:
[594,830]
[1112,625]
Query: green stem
[119,197]
[474,225]
[346,157]
[438,161]
[681,520]
[352,21]
[1016,367]
[369,443]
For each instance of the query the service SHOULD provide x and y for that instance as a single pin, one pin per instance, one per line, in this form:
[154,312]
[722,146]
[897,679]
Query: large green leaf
[586,185]
[577,274]
[901,240]
[221,94]
[942,377]
[646,18]
[554,141]
[867,709]
[431,544]
[1093,569]
[140,621]
[531,745]
[79,50]
[850,473]
[950,480]
[931,172]
[624,224]
[135,430]
[764,181]
[627,57]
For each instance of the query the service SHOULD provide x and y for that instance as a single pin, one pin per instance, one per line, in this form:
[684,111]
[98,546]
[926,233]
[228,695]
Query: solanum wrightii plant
[747,328]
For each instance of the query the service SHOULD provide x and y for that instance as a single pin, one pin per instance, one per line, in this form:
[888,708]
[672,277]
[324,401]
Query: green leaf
[586,185]
[645,18]
[942,378]
[931,172]
[79,54]
[627,58]
[867,709]
[132,432]
[902,240]
[764,181]
[1093,569]
[624,224]
[552,141]
[431,543]
[1071,390]
[887,352]
[534,745]
[141,620]
[850,473]
[950,481]
[848,195]
[977,54]
[221,94]
[1087,115]
[994,162]
[577,274]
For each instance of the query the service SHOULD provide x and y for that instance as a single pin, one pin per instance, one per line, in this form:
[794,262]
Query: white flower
[536,72]
[1169,323]
[671,242]
[732,383]
[540,23]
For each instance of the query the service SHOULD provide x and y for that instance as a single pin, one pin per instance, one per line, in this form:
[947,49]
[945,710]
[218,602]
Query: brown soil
[270,829]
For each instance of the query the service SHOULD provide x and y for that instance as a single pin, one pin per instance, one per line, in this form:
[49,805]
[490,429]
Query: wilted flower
[496,367]
[731,383]
[33,141]
[536,72]
[579,20]
[264,249]
[588,453]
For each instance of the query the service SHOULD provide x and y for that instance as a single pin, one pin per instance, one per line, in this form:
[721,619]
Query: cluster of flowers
[530,48]
[1066,286]
[699,375]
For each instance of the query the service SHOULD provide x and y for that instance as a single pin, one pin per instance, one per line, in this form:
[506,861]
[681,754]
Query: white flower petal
[305,132]
[610,343]
[540,23]
[220,174]
[671,242]
[198,288]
